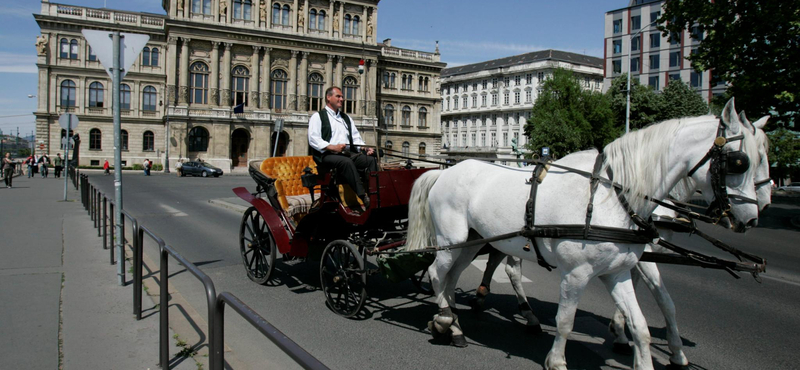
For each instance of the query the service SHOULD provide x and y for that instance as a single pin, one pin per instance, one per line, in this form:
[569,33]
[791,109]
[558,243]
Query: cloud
[18,63]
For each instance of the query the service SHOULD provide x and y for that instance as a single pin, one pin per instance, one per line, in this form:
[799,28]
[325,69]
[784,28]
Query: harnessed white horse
[489,200]
[646,271]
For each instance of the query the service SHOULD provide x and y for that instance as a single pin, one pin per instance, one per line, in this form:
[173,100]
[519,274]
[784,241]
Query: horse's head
[763,182]
[726,173]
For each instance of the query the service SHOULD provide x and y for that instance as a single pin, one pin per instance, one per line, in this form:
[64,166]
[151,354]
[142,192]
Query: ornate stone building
[486,104]
[205,57]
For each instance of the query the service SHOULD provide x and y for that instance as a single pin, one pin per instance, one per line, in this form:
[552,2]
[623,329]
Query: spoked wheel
[343,278]
[257,246]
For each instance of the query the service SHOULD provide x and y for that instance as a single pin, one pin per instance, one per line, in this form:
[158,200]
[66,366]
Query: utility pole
[115,37]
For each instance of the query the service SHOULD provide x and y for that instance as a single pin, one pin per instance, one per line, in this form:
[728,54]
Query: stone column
[173,9]
[329,72]
[305,16]
[372,85]
[265,84]
[269,15]
[338,76]
[374,25]
[183,94]
[228,11]
[363,22]
[329,20]
[254,78]
[292,91]
[213,82]
[294,16]
[172,70]
[225,97]
[361,95]
[302,80]
[341,19]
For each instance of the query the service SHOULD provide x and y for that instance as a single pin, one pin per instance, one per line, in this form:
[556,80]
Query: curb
[228,205]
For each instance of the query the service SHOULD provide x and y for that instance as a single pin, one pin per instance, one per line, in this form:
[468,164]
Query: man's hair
[329,92]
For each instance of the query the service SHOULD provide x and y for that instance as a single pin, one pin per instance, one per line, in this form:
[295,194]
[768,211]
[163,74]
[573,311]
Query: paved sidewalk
[60,304]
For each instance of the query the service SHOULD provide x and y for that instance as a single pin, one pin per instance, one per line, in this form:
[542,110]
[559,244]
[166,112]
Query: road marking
[499,275]
[173,211]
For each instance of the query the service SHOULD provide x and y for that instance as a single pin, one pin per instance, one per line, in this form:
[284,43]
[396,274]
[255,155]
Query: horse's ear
[729,117]
[746,123]
[761,122]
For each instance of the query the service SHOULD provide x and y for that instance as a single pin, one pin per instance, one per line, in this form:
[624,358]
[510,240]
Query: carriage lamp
[361,67]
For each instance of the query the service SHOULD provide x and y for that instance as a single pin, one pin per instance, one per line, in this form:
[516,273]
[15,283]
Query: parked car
[200,169]
[793,187]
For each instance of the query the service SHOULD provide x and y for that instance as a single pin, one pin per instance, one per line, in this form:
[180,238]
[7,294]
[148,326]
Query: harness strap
[646,226]
[598,164]
[530,215]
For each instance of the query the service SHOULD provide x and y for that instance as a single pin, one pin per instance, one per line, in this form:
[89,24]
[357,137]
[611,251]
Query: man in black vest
[333,138]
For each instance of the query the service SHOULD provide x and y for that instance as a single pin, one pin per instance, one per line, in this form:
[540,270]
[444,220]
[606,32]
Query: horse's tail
[421,233]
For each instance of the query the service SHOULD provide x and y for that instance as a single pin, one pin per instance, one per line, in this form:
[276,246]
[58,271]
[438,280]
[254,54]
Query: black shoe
[365,200]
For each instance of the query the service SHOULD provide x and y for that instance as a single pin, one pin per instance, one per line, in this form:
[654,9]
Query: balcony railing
[102,15]
[409,54]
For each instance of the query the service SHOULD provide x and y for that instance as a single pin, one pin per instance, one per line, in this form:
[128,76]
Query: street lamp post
[628,91]
[166,140]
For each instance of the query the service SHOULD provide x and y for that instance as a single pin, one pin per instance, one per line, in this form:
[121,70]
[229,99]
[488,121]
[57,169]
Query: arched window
[242,9]
[422,148]
[279,81]
[154,57]
[198,140]
[146,56]
[388,115]
[406,116]
[350,88]
[124,96]
[321,21]
[92,55]
[73,49]
[64,49]
[421,83]
[392,79]
[312,19]
[96,93]
[149,97]
[388,144]
[123,136]
[406,146]
[148,141]
[95,139]
[315,92]
[347,24]
[355,25]
[285,15]
[423,117]
[386,79]
[425,87]
[67,94]
[201,6]
[199,83]
[276,14]
[240,76]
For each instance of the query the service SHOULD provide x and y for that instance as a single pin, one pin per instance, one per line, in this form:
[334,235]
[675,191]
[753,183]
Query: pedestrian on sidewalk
[58,163]
[105,168]
[44,161]
[31,162]
[146,166]
[8,170]
[179,166]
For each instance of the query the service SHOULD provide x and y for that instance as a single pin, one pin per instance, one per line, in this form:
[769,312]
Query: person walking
[31,162]
[146,166]
[57,164]
[105,168]
[7,168]
[178,167]
[44,161]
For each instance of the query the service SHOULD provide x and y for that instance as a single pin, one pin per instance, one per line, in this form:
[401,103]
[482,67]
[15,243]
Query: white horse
[646,271]
[489,200]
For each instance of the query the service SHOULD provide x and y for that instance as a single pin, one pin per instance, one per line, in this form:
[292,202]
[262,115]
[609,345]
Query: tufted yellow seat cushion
[286,171]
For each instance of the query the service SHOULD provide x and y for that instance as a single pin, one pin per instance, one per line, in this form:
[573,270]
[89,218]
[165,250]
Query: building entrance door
[240,143]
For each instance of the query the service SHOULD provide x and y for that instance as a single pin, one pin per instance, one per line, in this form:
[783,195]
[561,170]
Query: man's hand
[335,148]
[370,151]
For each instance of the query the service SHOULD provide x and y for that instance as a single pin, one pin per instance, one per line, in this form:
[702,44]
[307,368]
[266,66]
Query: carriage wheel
[343,278]
[257,246]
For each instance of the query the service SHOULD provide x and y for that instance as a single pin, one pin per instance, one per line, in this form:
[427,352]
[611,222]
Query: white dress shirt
[338,131]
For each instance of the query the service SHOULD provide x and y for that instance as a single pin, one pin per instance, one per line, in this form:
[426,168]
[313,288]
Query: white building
[655,60]
[486,105]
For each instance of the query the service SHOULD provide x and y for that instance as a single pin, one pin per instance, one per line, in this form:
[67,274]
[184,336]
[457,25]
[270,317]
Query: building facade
[654,60]
[486,105]
[204,57]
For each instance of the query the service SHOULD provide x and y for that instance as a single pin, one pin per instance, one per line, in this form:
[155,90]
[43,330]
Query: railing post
[97,217]
[219,334]
[111,244]
[163,308]
[138,241]
[105,222]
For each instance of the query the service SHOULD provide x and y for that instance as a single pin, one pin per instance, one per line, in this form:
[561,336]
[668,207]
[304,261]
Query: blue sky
[468,31]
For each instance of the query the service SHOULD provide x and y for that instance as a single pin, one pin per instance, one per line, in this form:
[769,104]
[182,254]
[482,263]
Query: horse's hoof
[674,366]
[533,329]
[622,349]
[459,341]
[435,333]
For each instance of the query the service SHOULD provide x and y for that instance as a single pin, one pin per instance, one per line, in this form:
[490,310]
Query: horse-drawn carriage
[304,212]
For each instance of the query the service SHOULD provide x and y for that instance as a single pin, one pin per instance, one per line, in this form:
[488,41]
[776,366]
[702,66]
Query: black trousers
[347,168]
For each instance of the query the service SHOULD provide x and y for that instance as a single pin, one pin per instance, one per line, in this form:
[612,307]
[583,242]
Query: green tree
[679,100]
[645,102]
[567,118]
[784,151]
[752,44]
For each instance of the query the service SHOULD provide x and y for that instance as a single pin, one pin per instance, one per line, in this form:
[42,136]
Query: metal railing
[101,212]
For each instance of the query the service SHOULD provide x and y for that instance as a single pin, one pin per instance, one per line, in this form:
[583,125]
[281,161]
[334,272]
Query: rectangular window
[653,81]
[617,46]
[636,22]
[465,102]
[517,80]
[655,40]
[474,86]
[654,62]
[483,100]
[654,16]
[616,66]
[494,82]
[528,96]
[505,98]
[635,43]
[474,101]
[618,26]
[483,84]
[675,76]
[92,55]
[694,51]
[675,59]
[635,64]
[516,97]
[675,39]
[697,34]
[540,76]
[494,98]
[695,79]
[506,81]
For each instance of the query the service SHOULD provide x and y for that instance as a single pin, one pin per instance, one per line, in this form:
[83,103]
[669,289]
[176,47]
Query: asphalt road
[725,323]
